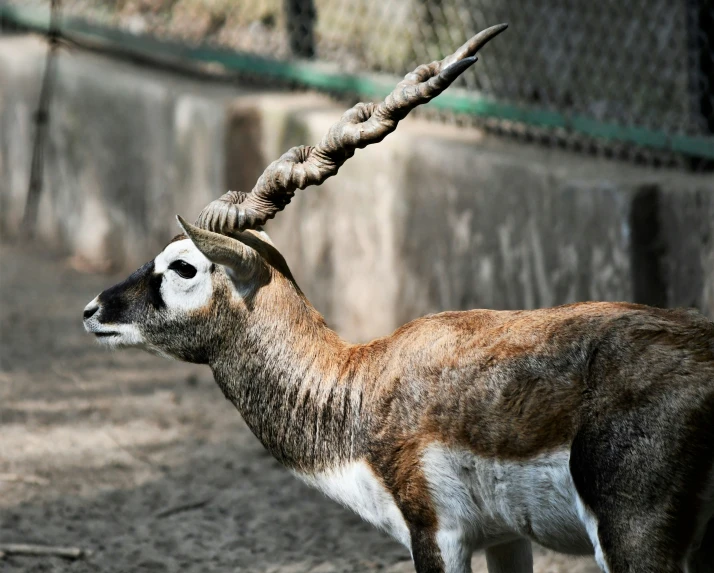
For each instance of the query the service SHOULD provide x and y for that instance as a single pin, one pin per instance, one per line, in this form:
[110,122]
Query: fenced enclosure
[629,80]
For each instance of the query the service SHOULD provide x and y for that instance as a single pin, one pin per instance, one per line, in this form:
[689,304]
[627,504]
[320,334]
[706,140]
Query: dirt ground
[141,460]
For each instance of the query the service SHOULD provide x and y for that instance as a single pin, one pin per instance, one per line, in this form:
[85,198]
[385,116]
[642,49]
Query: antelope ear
[240,260]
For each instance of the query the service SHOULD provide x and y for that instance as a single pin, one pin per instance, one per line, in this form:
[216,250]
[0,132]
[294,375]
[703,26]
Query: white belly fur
[479,501]
[487,501]
[355,486]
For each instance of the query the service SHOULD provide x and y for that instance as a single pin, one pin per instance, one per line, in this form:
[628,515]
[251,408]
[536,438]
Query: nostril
[89,312]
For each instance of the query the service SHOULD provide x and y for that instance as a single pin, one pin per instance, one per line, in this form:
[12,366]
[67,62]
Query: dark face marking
[130,300]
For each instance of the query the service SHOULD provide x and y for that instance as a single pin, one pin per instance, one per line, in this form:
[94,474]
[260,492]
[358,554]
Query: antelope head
[214,278]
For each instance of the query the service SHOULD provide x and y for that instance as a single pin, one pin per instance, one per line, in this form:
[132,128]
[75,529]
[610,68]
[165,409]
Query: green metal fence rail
[328,77]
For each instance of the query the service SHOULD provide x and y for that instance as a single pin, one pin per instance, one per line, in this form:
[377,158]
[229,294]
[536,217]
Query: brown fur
[508,385]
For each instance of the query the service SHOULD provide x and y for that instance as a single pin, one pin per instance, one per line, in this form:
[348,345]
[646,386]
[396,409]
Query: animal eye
[183,269]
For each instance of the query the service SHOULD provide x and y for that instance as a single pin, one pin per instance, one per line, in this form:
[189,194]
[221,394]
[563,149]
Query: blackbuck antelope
[587,428]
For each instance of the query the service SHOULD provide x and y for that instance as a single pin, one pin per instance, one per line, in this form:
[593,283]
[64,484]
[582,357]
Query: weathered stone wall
[433,218]
[127,149]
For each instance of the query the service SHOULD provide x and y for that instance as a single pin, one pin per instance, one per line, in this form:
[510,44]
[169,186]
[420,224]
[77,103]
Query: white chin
[111,340]
[119,336]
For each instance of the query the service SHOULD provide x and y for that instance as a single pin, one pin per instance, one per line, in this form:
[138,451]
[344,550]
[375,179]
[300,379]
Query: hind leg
[640,475]
[623,546]
[632,543]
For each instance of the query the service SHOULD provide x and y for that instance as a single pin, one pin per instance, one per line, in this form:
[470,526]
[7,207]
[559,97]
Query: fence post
[34,191]
[301,16]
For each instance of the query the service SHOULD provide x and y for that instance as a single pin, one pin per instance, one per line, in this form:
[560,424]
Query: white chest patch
[179,293]
[356,487]
[489,501]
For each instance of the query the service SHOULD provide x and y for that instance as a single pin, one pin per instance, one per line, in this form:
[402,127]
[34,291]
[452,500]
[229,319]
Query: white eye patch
[184,294]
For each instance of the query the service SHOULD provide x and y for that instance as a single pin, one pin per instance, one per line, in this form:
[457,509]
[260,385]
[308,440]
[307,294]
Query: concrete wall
[127,149]
[433,218]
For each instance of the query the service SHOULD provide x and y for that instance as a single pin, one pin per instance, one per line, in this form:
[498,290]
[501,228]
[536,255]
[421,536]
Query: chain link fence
[633,80]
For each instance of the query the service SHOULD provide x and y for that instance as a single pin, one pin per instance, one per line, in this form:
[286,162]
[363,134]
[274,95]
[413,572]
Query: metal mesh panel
[632,79]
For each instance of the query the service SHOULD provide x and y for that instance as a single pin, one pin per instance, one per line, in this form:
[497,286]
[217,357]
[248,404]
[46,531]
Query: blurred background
[574,161]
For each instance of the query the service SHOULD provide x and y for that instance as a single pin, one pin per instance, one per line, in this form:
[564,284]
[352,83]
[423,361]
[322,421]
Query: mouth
[105,334]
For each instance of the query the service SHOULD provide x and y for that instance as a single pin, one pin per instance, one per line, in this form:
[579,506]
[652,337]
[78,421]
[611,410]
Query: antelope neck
[293,382]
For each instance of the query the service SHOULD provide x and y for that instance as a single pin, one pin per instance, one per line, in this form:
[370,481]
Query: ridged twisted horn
[364,124]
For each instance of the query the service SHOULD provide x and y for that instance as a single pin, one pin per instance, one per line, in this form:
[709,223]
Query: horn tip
[185,225]
[497,29]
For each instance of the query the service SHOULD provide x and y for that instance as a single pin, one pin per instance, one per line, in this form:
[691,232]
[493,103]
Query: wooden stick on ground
[43,550]
[183,507]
